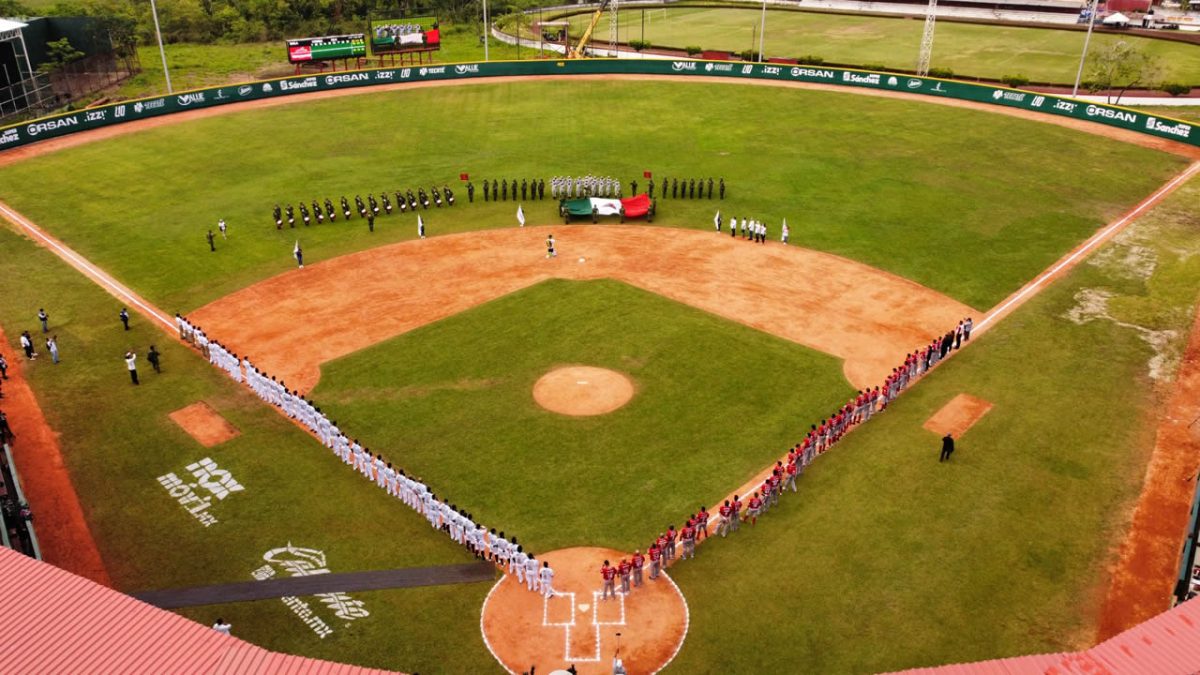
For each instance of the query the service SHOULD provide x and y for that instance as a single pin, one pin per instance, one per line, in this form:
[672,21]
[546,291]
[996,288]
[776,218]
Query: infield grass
[452,402]
[116,440]
[974,50]
[889,559]
[969,203]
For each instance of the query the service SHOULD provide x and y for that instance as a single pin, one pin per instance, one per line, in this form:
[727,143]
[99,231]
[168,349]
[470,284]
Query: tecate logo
[342,79]
[683,65]
[1000,94]
[245,90]
[473,68]
[149,105]
[188,99]
[913,83]
[422,72]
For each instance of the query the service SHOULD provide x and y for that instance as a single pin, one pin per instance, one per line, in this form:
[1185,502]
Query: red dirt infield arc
[581,391]
[575,627]
[868,318]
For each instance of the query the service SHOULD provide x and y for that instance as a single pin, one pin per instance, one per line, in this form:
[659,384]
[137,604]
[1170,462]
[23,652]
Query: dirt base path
[1145,572]
[55,144]
[862,315]
[58,518]
[575,627]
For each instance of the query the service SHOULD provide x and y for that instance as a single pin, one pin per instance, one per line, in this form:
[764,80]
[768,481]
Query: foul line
[1095,240]
[80,263]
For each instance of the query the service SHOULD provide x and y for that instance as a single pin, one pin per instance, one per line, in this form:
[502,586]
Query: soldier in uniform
[674,188]
[650,188]
[318,212]
[424,198]
[291,216]
[345,207]
[329,212]
[437,196]
[470,192]
[710,187]
[449,195]
[495,190]
[524,190]
[370,222]
[412,201]
[362,208]
[387,203]
[374,204]
[401,202]
[633,188]
[304,214]
[486,192]
[504,189]
[541,188]
[692,189]
[278,213]
[722,188]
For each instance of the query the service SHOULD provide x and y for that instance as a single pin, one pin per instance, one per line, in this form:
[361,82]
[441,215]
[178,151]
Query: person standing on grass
[124,315]
[224,228]
[45,319]
[52,347]
[212,247]
[753,507]
[947,448]
[131,364]
[27,345]
[152,357]
[221,627]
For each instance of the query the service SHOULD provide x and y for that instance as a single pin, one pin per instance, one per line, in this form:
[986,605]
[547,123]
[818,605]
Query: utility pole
[762,32]
[162,52]
[1083,57]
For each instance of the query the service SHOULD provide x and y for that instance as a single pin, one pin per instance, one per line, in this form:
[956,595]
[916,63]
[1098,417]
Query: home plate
[581,382]
[581,259]
[583,606]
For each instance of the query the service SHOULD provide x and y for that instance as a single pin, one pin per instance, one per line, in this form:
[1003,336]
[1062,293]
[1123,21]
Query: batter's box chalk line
[566,626]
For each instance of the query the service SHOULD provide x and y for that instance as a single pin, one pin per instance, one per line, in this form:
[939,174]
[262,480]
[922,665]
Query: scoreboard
[326,48]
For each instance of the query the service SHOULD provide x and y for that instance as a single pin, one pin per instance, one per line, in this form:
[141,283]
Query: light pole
[1083,56]
[486,30]
[161,51]
[762,32]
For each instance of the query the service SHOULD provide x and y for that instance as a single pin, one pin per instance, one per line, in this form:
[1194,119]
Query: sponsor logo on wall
[9,136]
[384,74]
[814,73]
[1177,129]
[267,88]
[245,90]
[913,83]
[188,99]
[683,65]
[302,562]
[208,478]
[860,78]
[1003,95]
[306,83]
[155,104]
[348,77]
[473,68]
[1109,113]
[52,125]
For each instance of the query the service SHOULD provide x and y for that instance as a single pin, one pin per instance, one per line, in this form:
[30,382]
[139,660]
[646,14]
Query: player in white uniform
[546,579]
[519,560]
[531,573]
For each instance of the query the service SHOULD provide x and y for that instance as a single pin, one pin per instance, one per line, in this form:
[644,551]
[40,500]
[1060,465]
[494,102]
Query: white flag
[296,249]
[783,235]
[520,215]
[717,219]
[420,224]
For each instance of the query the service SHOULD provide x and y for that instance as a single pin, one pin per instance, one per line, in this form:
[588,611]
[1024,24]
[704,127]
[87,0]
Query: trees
[1122,66]
[58,54]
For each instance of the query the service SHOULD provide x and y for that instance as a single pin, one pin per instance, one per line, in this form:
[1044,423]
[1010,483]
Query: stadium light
[162,52]
[1083,56]
[762,32]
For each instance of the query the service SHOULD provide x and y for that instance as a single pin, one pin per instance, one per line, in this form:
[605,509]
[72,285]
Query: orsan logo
[1153,124]
[343,79]
[149,105]
[813,73]
[245,90]
[859,78]
[9,136]
[1109,113]
[683,65]
[306,83]
[913,83]
[188,99]
[1002,95]
[51,125]
[473,68]
[384,74]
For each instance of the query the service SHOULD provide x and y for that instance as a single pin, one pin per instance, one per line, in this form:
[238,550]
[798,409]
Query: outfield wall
[61,125]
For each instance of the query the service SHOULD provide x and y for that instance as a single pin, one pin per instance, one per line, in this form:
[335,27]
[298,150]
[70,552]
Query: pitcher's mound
[575,627]
[582,390]
[204,424]
[960,414]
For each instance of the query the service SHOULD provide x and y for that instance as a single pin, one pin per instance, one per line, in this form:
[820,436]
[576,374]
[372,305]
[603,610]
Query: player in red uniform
[702,524]
[737,513]
[623,570]
[608,574]
[638,562]
[753,508]
[655,553]
[669,551]
[725,512]
[688,536]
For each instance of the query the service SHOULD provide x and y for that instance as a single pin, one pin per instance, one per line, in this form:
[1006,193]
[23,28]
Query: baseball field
[904,217]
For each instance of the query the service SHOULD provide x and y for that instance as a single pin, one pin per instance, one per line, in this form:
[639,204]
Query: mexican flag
[634,206]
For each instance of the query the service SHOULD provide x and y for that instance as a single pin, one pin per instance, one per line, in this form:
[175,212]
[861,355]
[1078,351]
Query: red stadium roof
[53,621]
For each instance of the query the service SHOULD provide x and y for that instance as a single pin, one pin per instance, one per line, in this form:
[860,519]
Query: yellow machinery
[578,51]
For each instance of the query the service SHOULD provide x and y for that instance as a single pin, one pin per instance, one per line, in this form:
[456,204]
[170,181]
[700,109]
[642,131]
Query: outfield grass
[716,402]
[966,202]
[891,560]
[117,439]
[976,50]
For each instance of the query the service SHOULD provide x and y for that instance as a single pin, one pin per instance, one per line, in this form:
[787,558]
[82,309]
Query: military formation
[368,210]
[686,188]
[498,191]
[567,187]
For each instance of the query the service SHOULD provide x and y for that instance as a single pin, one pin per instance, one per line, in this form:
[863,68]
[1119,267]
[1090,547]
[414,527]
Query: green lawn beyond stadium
[1039,54]
[452,403]
[969,203]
